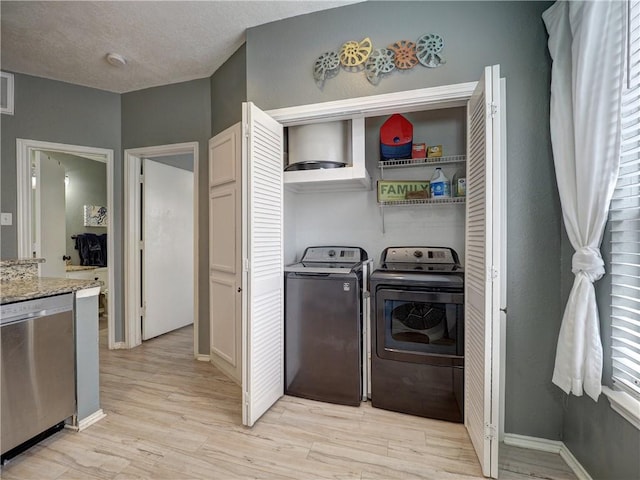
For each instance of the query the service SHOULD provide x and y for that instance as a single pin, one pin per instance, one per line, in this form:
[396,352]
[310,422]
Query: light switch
[6,219]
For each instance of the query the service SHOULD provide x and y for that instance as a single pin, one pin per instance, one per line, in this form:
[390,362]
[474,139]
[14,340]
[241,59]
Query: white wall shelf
[352,177]
[418,162]
[424,201]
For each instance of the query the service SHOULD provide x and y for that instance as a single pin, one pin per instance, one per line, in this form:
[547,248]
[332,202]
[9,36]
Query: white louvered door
[263,276]
[483,270]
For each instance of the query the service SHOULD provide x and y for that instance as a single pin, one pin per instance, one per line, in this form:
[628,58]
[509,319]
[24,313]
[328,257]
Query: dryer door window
[412,325]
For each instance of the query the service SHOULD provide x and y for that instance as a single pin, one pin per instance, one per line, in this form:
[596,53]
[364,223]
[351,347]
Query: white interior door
[262,252]
[225,249]
[167,252]
[483,269]
[50,218]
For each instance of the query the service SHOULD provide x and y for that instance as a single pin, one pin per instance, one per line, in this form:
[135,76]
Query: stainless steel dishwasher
[37,369]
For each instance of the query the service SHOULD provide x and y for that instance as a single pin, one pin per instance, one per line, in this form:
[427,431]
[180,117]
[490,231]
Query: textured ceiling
[163,41]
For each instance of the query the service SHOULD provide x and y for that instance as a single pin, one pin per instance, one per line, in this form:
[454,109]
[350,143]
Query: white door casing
[51,241]
[263,272]
[133,233]
[25,150]
[225,248]
[483,269]
[167,254]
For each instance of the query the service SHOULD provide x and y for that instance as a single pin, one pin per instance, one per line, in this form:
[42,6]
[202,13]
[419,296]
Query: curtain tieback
[588,261]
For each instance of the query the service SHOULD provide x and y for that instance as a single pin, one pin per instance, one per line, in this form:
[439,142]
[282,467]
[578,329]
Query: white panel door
[167,253]
[225,248]
[51,236]
[483,269]
[262,252]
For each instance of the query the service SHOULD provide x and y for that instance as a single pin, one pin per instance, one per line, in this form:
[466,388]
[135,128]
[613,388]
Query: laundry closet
[262,218]
[351,215]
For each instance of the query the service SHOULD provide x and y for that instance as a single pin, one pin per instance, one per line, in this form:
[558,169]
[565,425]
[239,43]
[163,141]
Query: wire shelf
[416,162]
[424,201]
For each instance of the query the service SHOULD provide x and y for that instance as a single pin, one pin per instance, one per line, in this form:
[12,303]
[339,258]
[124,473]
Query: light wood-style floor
[171,417]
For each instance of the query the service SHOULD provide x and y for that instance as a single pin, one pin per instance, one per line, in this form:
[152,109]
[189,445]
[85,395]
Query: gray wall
[184,162]
[87,186]
[228,91]
[174,114]
[53,111]
[476,34]
[604,443]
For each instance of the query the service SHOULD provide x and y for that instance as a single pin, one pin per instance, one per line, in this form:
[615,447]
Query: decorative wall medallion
[327,66]
[358,56]
[354,54]
[380,62]
[405,54]
[428,50]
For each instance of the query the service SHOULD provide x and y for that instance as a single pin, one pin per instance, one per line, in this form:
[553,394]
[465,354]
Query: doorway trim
[132,246]
[24,209]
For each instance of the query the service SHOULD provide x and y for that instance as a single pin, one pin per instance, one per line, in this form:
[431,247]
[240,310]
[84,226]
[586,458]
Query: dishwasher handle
[31,309]
[28,316]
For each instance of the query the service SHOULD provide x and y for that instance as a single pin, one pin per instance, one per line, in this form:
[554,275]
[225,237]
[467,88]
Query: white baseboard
[574,464]
[552,446]
[87,421]
[533,443]
[202,357]
[120,345]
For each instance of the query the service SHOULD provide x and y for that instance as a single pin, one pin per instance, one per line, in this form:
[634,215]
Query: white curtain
[586,43]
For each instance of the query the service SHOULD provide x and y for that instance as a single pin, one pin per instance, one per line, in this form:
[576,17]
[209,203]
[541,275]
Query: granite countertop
[76,268]
[20,261]
[37,287]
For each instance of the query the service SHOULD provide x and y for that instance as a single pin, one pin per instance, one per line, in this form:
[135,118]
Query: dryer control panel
[441,255]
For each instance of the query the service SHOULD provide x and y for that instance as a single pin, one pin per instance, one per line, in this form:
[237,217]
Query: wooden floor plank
[172,417]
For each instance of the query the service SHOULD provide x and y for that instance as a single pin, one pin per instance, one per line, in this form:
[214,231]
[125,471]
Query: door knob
[66,257]
[239,289]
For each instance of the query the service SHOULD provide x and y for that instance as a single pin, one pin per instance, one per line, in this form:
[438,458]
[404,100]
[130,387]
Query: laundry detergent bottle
[440,185]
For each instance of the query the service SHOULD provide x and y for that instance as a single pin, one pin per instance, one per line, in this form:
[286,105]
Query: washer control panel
[333,254]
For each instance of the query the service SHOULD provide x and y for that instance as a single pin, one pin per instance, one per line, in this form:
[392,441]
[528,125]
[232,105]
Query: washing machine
[323,325]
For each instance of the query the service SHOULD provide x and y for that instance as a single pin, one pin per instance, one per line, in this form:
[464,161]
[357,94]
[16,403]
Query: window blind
[625,227]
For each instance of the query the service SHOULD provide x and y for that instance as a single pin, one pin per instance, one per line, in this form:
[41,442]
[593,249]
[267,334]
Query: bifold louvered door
[262,247]
[483,270]
[225,248]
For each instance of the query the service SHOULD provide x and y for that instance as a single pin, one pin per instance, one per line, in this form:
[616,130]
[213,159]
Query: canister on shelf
[419,150]
[440,186]
[396,137]
[458,185]
[434,151]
